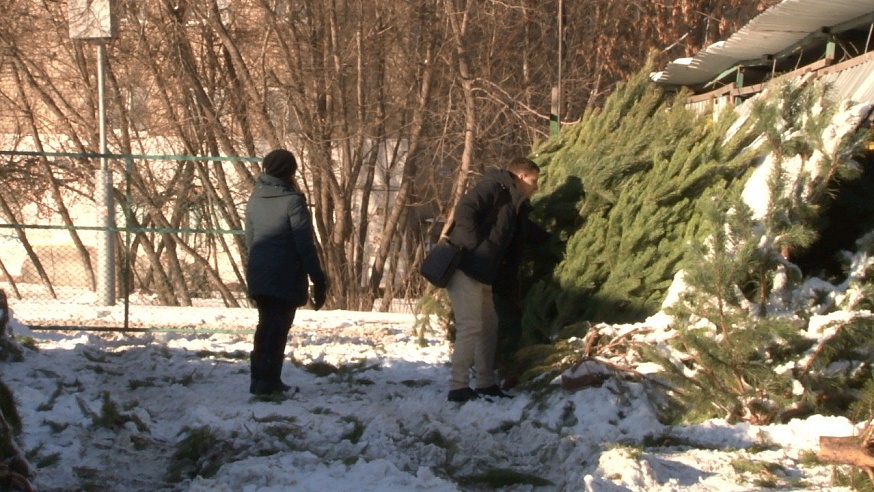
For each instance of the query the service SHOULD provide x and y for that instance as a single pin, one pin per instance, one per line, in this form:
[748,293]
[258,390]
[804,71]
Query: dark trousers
[509,309]
[275,317]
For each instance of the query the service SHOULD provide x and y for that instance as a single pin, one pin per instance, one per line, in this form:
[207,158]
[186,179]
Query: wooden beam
[819,68]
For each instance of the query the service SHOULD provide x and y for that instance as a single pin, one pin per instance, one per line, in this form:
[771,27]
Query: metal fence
[173,237]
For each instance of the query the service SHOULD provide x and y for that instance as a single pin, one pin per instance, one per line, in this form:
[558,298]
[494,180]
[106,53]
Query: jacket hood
[267,186]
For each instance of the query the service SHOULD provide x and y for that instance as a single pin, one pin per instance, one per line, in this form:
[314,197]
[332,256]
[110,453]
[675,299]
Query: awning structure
[789,34]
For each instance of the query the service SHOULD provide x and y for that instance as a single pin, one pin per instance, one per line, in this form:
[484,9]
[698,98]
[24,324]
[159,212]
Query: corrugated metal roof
[855,84]
[774,31]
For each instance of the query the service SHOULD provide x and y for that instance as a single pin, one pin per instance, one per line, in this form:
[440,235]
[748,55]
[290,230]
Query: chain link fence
[171,236]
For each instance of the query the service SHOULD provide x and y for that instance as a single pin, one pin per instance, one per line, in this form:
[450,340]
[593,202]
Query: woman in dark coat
[282,254]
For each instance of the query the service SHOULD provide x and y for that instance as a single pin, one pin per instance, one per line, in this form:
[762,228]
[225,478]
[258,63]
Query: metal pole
[103,198]
[101,100]
[555,109]
[553,112]
[128,219]
[560,49]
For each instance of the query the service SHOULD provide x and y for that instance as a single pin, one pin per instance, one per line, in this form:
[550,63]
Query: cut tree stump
[847,450]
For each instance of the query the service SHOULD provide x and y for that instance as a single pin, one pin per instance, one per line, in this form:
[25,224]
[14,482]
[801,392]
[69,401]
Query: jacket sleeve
[250,232]
[304,242]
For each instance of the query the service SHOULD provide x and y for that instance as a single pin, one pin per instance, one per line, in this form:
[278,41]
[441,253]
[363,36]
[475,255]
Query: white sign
[91,19]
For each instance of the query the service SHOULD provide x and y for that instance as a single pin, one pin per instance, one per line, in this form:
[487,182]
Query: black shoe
[462,395]
[289,389]
[261,387]
[493,390]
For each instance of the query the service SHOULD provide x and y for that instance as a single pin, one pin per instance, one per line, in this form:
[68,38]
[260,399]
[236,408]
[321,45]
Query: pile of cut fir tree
[760,226]
[644,188]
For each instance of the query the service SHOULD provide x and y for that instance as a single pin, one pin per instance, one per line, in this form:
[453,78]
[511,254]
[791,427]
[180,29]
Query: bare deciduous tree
[393,107]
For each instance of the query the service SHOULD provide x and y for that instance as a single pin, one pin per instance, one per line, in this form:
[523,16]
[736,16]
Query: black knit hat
[279,163]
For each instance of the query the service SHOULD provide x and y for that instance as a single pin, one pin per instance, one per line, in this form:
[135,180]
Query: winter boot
[262,370]
[462,395]
[275,375]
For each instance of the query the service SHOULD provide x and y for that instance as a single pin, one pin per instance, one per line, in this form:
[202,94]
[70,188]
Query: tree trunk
[163,287]
[53,184]
[459,32]
[249,85]
[22,236]
[847,450]
[404,195]
[10,280]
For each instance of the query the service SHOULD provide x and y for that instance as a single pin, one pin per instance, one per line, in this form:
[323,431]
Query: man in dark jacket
[282,254]
[488,227]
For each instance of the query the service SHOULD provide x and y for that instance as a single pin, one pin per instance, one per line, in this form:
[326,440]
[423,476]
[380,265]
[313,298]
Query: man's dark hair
[522,164]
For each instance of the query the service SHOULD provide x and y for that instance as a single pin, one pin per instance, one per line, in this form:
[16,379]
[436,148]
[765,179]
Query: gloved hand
[319,292]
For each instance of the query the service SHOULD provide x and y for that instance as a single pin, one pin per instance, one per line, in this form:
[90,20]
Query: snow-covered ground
[113,411]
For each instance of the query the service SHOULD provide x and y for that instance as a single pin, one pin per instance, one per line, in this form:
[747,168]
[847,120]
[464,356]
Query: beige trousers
[476,332]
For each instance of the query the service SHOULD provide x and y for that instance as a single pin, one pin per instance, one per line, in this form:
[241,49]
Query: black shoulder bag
[443,259]
[441,262]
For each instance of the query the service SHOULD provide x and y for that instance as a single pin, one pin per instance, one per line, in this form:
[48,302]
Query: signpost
[94,20]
